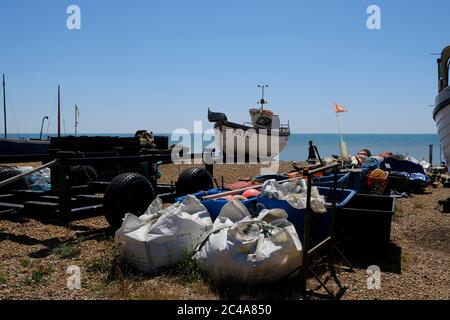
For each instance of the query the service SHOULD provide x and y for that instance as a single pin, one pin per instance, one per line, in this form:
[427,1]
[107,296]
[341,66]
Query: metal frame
[61,197]
[327,243]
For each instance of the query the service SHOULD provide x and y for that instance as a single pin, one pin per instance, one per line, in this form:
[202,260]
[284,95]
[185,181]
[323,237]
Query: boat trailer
[71,199]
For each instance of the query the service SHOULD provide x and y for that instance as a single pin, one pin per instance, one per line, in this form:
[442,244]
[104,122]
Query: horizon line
[168,133]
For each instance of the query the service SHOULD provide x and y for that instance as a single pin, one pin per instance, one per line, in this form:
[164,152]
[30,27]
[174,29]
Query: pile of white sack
[250,250]
[294,192]
[161,237]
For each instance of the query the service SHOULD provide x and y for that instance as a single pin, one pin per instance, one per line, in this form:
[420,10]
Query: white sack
[250,250]
[294,192]
[425,165]
[161,237]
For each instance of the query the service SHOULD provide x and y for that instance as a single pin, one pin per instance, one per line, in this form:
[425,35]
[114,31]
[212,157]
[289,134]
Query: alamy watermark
[374,278]
[373,22]
[73,21]
[74,278]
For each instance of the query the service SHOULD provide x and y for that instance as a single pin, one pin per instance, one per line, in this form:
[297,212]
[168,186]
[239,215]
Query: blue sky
[159,65]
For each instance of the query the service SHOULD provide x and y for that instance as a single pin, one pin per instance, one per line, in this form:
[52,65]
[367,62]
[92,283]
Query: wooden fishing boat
[441,112]
[262,139]
[23,146]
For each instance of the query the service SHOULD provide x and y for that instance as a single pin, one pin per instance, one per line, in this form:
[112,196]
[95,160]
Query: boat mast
[77,113]
[59,113]
[4,106]
[262,102]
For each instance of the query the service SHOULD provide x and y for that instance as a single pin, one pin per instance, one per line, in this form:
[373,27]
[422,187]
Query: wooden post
[64,183]
[430,154]
[64,192]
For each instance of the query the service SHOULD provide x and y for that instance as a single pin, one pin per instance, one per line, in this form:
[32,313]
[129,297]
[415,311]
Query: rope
[62,117]
[51,114]
[10,108]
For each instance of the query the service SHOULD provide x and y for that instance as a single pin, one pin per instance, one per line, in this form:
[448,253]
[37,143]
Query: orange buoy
[251,193]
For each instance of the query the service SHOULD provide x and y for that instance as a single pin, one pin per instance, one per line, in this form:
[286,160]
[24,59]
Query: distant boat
[260,140]
[24,146]
[441,112]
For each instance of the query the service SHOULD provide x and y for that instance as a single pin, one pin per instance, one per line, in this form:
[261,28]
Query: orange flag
[338,108]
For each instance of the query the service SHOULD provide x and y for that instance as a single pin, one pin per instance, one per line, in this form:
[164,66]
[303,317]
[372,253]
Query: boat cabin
[264,118]
[443,68]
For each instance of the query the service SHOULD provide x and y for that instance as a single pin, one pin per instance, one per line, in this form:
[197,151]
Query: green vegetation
[100,265]
[66,251]
[39,276]
[187,270]
[2,278]
[25,263]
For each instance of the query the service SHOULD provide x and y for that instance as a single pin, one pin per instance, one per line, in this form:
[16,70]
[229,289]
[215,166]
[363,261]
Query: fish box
[321,222]
[365,221]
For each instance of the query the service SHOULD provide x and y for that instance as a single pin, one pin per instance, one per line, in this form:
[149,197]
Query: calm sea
[415,145]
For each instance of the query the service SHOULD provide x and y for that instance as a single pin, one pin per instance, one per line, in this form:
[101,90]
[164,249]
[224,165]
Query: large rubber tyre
[81,175]
[21,184]
[192,180]
[128,192]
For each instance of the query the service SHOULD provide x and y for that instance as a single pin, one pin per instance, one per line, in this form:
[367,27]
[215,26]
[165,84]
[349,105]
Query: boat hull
[23,147]
[247,145]
[442,118]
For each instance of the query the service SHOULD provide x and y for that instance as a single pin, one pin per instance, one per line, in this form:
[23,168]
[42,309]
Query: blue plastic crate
[327,181]
[321,222]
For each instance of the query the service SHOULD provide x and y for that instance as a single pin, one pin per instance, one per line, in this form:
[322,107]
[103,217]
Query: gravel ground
[34,256]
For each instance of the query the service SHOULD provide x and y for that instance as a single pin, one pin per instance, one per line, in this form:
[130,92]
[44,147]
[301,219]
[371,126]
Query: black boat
[24,146]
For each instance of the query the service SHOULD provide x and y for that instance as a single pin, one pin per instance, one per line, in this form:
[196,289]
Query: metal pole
[76,119]
[262,101]
[332,259]
[4,106]
[430,154]
[42,126]
[59,113]
[339,127]
[306,235]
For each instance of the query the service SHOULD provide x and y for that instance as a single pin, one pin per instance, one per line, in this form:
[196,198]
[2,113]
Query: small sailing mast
[59,112]
[262,102]
[4,106]
[77,115]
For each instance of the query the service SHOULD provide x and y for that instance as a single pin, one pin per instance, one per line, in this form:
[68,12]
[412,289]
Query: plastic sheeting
[250,250]
[161,237]
[294,192]
[40,180]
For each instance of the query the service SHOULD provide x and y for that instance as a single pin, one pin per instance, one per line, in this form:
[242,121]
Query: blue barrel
[214,206]
[321,222]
